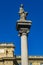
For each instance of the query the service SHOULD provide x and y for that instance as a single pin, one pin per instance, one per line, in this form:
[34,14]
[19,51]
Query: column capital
[23,31]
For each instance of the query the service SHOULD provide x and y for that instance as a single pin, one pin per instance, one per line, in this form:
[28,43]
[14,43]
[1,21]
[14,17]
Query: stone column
[23,26]
[24,51]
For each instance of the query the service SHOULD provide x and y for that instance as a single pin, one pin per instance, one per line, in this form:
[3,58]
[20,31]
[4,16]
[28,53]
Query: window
[41,64]
[30,63]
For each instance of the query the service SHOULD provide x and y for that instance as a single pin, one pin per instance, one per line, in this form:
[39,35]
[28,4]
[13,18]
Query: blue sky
[8,17]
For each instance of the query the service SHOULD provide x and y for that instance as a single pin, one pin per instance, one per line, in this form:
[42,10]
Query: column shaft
[24,51]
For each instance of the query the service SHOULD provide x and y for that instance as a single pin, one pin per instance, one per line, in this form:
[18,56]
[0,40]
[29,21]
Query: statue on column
[22,14]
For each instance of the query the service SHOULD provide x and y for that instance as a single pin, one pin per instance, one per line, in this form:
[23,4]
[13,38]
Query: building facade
[32,60]
[7,56]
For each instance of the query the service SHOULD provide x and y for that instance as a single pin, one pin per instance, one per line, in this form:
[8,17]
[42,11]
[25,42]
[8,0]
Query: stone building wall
[7,56]
[32,60]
